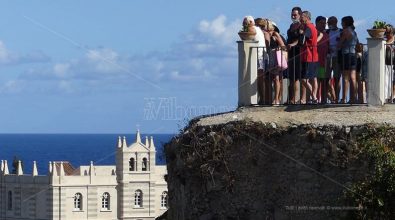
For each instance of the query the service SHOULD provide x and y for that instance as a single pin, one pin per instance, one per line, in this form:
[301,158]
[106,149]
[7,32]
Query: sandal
[274,103]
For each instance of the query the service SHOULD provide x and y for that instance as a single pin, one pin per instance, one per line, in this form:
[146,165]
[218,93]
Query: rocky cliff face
[257,169]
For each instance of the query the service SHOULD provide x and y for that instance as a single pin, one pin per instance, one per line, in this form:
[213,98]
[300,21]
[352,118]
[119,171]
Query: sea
[78,149]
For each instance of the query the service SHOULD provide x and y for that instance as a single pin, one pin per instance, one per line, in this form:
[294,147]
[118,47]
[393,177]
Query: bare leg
[314,88]
[346,85]
[338,83]
[305,86]
[296,92]
[277,88]
[354,86]
[332,90]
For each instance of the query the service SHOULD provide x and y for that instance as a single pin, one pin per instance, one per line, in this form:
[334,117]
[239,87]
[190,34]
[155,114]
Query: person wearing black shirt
[294,62]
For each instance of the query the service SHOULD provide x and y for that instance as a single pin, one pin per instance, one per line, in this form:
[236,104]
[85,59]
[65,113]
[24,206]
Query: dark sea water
[79,149]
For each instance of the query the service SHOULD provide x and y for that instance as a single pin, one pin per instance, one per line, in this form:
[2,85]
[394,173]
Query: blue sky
[114,66]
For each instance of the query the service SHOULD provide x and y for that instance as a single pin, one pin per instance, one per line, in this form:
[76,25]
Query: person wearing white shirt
[260,37]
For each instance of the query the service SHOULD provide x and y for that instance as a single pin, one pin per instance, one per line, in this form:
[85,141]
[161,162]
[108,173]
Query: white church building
[135,188]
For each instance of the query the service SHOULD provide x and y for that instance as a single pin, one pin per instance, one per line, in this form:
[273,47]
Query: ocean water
[79,149]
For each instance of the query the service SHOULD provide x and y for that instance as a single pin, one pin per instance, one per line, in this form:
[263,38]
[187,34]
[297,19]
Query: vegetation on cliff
[376,193]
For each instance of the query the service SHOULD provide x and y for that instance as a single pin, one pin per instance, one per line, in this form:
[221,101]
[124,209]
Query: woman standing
[276,44]
[263,81]
[347,44]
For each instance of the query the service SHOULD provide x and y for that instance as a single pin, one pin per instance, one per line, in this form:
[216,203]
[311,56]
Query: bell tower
[135,169]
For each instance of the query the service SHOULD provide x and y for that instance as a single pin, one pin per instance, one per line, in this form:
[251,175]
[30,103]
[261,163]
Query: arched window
[138,199]
[78,202]
[164,200]
[131,164]
[105,201]
[144,165]
[9,204]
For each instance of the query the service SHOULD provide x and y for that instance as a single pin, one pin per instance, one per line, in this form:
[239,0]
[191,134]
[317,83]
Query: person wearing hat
[276,44]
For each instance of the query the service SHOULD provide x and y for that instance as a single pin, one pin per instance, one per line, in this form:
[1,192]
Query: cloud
[205,54]
[219,30]
[8,57]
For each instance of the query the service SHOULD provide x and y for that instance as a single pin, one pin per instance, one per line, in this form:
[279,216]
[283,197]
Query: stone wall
[255,170]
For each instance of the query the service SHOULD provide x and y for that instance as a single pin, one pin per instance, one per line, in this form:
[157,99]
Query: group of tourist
[323,63]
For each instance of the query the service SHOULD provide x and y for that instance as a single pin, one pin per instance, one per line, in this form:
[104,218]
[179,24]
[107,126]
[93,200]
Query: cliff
[282,163]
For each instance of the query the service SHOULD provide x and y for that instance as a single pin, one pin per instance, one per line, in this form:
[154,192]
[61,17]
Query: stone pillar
[376,71]
[248,72]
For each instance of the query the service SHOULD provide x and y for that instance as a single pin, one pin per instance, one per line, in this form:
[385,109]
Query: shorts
[322,73]
[348,62]
[332,65]
[309,70]
[294,68]
[285,74]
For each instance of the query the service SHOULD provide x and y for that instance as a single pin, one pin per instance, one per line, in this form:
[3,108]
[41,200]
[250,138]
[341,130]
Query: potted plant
[248,31]
[378,30]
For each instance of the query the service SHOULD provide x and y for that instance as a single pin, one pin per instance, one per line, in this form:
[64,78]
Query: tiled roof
[68,168]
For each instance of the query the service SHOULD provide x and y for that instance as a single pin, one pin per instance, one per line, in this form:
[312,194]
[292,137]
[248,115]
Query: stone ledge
[336,115]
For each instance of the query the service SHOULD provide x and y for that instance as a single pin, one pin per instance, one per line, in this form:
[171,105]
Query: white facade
[134,188]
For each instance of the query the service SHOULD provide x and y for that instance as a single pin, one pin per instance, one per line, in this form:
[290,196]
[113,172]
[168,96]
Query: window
[105,201]
[78,202]
[131,164]
[138,199]
[9,204]
[144,166]
[164,200]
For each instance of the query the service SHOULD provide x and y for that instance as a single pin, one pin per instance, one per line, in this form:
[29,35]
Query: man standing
[332,60]
[294,64]
[309,57]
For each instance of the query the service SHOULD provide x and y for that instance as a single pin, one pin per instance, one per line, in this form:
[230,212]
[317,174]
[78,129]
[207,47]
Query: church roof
[68,168]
